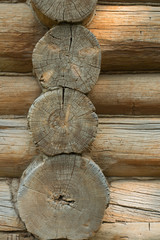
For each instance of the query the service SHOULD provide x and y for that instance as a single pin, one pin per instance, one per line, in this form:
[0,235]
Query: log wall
[127,146]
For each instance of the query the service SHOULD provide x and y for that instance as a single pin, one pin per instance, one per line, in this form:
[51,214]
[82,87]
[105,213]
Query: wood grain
[130,2]
[123,146]
[132,200]
[62,121]
[133,94]
[128,231]
[73,64]
[122,31]
[16,236]
[65,190]
[9,219]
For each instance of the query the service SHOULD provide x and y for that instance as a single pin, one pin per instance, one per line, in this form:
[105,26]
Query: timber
[16,236]
[132,94]
[64,190]
[75,11]
[113,26]
[124,146]
[60,58]
[62,121]
[132,200]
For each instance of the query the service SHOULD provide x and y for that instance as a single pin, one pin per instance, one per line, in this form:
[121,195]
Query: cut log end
[67,56]
[62,121]
[63,197]
[66,10]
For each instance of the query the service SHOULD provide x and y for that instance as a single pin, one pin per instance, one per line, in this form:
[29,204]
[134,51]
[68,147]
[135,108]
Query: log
[128,231]
[68,56]
[134,94]
[16,236]
[17,93]
[64,190]
[122,31]
[68,11]
[19,32]
[62,121]
[133,200]
[9,219]
[133,2]
[123,146]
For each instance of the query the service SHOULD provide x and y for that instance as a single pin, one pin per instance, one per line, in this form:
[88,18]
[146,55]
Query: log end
[66,11]
[62,121]
[63,197]
[68,56]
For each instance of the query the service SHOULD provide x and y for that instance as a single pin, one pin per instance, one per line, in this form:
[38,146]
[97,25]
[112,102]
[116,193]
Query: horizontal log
[16,236]
[131,200]
[134,94]
[123,146]
[9,220]
[128,231]
[128,35]
[133,2]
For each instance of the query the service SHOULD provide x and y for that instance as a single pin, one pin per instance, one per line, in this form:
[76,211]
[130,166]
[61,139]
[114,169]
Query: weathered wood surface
[133,2]
[128,231]
[67,11]
[67,190]
[134,200]
[62,121]
[60,58]
[123,146]
[19,32]
[134,94]
[122,31]
[17,93]
[9,219]
[16,236]
[131,200]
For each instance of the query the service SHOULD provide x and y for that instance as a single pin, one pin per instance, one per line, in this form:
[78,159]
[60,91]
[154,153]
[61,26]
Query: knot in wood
[62,121]
[58,198]
[67,56]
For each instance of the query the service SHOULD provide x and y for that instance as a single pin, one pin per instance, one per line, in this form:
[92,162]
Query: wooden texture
[134,200]
[9,219]
[62,121]
[65,190]
[133,2]
[66,11]
[134,94]
[17,93]
[68,56]
[19,32]
[16,236]
[128,231]
[123,146]
[122,31]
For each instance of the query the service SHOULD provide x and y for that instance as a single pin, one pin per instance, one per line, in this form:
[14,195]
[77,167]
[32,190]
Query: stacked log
[125,145]
[66,62]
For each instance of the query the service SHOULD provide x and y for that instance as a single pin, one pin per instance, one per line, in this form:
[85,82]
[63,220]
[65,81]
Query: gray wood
[66,10]
[16,236]
[9,219]
[62,121]
[68,56]
[63,197]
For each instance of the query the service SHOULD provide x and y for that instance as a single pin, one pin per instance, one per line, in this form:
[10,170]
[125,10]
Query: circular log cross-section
[66,10]
[62,121]
[64,196]
[67,56]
